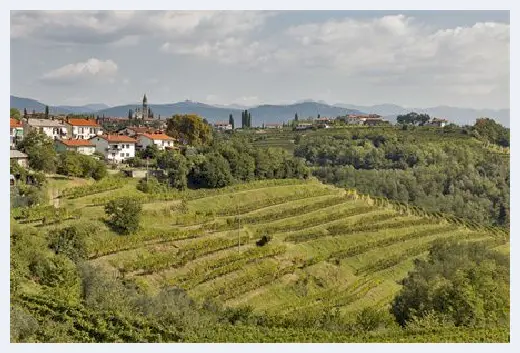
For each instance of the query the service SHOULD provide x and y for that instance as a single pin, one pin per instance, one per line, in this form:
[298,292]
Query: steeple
[145,100]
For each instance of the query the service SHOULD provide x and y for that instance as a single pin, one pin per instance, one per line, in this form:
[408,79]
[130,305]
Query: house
[15,131]
[273,126]
[134,130]
[19,157]
[223,125]
[50,127]
[438,122]
[161,140]
[82,129]
[324,120]
[303,126]
[115,148]
[80,146]
[374,120]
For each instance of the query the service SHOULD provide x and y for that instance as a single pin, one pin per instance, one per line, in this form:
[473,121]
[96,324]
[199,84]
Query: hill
[330,247]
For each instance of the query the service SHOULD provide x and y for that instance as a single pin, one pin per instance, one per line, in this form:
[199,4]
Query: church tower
[145,107]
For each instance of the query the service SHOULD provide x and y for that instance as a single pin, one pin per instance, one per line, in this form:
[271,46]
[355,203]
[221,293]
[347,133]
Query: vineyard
[328,247]
[283,247]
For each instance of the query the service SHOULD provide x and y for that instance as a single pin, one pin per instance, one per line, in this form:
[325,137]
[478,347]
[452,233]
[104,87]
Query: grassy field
[328,250]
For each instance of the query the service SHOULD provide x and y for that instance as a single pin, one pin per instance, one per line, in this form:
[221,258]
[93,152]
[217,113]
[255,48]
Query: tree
[296,117]
[176,166]
[213,172]
[130,114]
[46,111]
[40,150]
[413,118]
[232,121]
[123,214]
[190,129]
[15,114]
[69,241]
[463,283]
[488,130]
[319,116]
[25,112]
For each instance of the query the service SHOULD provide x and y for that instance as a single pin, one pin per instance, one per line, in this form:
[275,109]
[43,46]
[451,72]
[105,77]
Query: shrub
[464,282]
[123,214]
[69,241]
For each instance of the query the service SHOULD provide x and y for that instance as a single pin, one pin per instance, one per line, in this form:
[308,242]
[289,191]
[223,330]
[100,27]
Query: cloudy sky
[415,59]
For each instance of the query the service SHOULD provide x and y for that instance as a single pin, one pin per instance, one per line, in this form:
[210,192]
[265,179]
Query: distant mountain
[84,109]
[459,116]
[264,114]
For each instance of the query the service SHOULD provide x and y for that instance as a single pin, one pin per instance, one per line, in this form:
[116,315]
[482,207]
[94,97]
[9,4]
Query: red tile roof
[14,123]
[76,143]
[141,129]
[82,122]
[158,137]
[117,138]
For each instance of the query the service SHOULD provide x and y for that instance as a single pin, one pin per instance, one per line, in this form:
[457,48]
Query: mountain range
[264,114]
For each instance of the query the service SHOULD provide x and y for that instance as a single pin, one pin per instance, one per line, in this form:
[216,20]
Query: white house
[438,122]
[80,146]
[273,126]
[115,148]
[303,126]
[356,119]
[19,157]
[50,127]
[82,129]
[223,125]
[15,131]
[161,140]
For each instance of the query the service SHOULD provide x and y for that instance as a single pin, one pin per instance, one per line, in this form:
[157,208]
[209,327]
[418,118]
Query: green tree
[465,283]
[130,114]
[295,116]
[40,150]
[232,121]
[189,128]
[213,172]
[176,167]
[15,114]
[70,241]
[123,214]
[25,112]
[46,111]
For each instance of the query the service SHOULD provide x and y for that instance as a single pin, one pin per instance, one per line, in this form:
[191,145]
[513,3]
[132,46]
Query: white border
[258,5]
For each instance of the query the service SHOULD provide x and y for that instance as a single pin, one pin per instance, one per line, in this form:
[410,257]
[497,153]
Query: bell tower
[145,107]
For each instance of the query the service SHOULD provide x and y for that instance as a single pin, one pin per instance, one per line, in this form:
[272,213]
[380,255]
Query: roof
[76,143]
[82,122]
[438,119]
[116,138]
[222,123]
[324,119]
[158,137]
[17,154]
[44,123]
[14,123]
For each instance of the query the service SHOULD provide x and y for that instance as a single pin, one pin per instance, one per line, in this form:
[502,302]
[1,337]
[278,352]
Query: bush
[123,214]
[70,241]
[465,283]
[213,172]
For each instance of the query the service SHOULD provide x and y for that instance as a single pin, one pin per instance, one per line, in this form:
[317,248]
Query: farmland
[330,248]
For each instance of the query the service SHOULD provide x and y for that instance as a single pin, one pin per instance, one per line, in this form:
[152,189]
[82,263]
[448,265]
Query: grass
[325,251]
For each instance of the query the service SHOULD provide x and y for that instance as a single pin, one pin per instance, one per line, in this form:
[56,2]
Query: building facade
[82,129]
[19,157]
[161,140]
[223,125]
[15,131]
[80,146]
[115,148]
[54,129]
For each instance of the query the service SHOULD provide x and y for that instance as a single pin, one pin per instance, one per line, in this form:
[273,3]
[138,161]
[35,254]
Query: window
[127,146]
[91,130]
[122,154]
[128,154]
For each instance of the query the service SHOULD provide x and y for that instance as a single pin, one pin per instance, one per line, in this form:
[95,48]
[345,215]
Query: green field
[328,249]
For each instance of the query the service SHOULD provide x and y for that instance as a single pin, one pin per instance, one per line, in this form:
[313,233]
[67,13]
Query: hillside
[330,247]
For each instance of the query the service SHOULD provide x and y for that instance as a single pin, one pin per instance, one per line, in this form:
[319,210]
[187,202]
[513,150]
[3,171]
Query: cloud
[92,69]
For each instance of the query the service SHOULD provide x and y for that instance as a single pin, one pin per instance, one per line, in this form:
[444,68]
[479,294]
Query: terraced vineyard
[328,248]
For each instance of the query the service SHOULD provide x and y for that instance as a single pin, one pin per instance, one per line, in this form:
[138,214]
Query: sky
[409,58]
